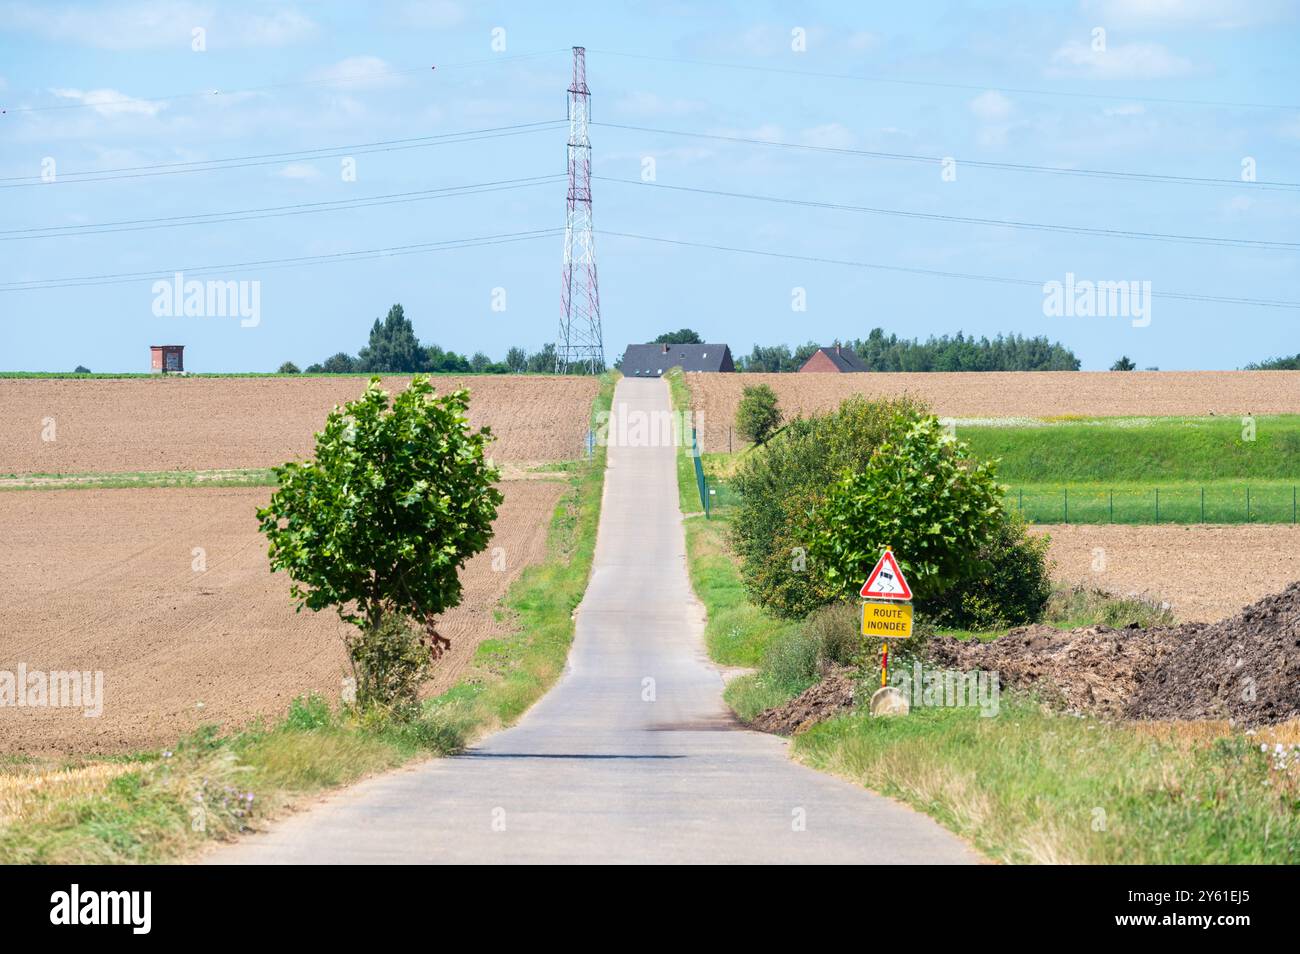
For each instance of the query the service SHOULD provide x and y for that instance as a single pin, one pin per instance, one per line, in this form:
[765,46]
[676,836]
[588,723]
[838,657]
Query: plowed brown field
[105,425]
[105,580]
[1205,573]
[1009,394]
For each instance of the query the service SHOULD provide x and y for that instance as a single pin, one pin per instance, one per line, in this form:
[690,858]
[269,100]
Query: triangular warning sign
[886,581]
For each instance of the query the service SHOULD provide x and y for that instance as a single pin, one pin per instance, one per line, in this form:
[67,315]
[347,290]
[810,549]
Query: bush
[288,368]
[780,483]
[837,631]
[391,661]
[829,637]
[758,414]
[1011,588]
[922,494]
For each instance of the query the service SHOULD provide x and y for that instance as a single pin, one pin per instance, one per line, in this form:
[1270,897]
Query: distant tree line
[393,348]
[1276,364]
[882,352]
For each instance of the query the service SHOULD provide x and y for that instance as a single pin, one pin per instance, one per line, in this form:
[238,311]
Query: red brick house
[835,360]
[166,358]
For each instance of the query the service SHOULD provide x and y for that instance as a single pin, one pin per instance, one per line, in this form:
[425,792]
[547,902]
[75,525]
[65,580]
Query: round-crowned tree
[758,414]
[922,494]
[378,524]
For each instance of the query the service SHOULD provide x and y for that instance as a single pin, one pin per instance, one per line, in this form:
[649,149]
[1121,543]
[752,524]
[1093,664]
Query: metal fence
[1158,505]
[701,482]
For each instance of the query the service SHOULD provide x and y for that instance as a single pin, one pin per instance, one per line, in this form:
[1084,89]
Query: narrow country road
[594,772]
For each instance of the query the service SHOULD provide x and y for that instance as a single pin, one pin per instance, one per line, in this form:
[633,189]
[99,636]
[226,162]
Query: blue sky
[96,87]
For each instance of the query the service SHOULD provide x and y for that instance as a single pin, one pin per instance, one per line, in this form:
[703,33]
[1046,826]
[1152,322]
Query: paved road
[594,773]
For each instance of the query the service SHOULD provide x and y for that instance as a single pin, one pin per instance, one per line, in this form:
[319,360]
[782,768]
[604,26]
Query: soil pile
[828,698]
[1246,668]
[1094,669]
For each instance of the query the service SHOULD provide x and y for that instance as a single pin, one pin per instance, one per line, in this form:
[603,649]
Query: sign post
[888,615]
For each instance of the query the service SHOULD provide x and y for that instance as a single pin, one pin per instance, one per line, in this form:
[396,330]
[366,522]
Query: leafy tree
[288,368]
[517,360]
[81,369]
[1011,586]
[543,362]
[758,414]
[921,494]
[1123,364]
[341,363]
[1276,364]
[881,352]
[479,363]
[769,358]
[379,523]
[782,482]
[683,336]
[393,346]
[447,362]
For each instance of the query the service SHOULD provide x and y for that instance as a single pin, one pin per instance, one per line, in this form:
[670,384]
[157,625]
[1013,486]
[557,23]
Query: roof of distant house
[844,359]
[652,360]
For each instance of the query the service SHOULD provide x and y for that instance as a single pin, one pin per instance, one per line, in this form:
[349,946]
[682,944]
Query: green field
[1140,450]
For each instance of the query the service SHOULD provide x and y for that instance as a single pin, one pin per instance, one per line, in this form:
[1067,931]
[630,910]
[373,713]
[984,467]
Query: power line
[300,208]
[935,84]
[273,158]
[966,276]
[118,278]
[970,220]
[321,81]
[976,163]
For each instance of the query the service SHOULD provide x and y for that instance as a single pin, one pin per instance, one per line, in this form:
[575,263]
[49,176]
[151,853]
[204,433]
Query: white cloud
[156,24]
[299,170]
[863,40]
[1117,61]
[109,102]
[829,136]
[1188,14]
[651,104]
[359,73]
[991,106]
[1125,109]
[432,14]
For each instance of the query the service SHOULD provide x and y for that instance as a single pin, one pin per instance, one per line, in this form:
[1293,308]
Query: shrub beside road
[1031,784]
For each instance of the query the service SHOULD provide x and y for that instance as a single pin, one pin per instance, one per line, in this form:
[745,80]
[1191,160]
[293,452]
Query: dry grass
[27,790]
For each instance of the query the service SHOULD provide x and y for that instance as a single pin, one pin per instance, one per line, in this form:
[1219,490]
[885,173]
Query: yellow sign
[887,620]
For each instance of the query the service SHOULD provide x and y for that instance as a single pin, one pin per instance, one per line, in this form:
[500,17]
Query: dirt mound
[1246,668]
[833,695]
[1095,669]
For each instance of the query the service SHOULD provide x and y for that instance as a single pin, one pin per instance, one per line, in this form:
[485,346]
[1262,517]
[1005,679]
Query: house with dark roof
[652,360]
[834,360]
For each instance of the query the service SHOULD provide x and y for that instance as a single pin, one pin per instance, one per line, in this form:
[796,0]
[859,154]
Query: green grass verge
[1145,450]
[158,806]
[1028,786]
[738,633]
